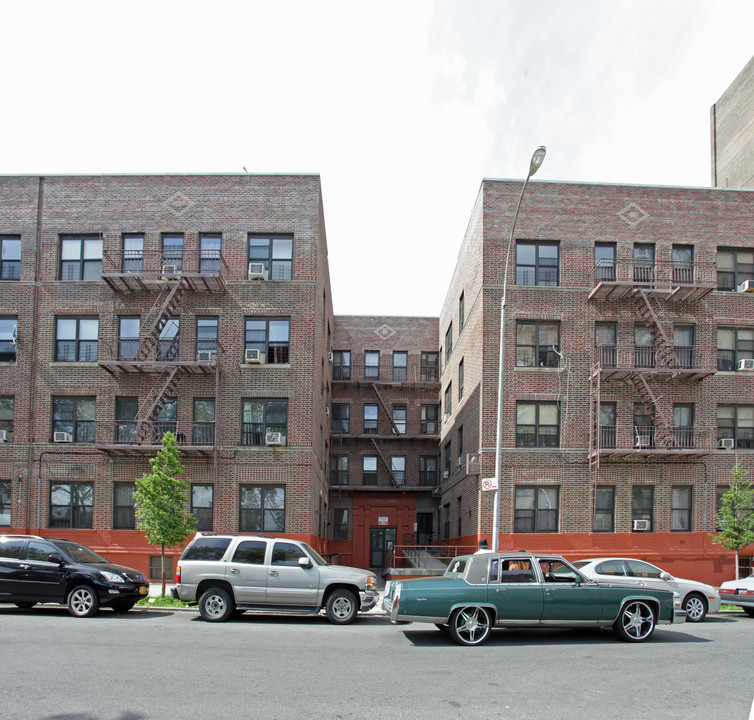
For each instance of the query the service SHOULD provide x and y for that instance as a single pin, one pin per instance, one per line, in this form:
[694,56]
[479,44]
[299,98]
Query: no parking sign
[489,484]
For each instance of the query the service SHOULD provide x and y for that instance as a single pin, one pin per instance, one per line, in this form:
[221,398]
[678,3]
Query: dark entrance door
[424,528]
[380,541]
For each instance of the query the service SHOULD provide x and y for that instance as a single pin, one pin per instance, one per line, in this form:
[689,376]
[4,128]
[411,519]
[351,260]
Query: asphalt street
[169,664]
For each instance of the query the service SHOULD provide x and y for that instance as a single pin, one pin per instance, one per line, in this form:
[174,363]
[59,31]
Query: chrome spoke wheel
[636,621]
[470,625]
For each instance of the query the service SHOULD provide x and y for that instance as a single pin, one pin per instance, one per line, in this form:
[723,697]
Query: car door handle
[24,567]
[274,572]
[234,571]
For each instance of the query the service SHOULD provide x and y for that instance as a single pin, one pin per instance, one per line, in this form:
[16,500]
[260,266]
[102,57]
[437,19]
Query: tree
[160,501]
[736,516]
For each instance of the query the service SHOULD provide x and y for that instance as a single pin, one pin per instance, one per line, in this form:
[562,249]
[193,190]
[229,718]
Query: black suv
[35,570]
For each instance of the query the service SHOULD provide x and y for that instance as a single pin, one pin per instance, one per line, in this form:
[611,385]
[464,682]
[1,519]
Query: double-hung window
[536,509]
[643,506]
[371,419]
[203,427]
[372,365]
[269,336]
[206,338]
[430,366]
[262,418]
[537,344]
[6,415]
[736,422]
[8,335]
[339,470]
[274,253]
[400,366]
[340,423]
[261,508]
[734,266]
[537,424]
[680,508]
[10,257]
[733,345]
[76,339]
[537,262]
[80,257]
[341,365]
[202,504]
[210,250]
[604,509]
[124,517]
[75,416]
[5,503]
[172,253]
[133,253]
[71,505]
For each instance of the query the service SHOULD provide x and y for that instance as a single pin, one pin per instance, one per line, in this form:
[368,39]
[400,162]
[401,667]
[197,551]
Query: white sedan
[697,598]
[739,592]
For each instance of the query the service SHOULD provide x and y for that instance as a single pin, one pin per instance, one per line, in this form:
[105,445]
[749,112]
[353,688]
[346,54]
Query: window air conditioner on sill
[726,443]
[253,356]
[445,475]
[643,441]
[460,461]
[274,439]
[3,436]
[206,355]
[641,524]
[257,271]
[446,417]
[168,270]
[746,365]
[62,437]
[746,286]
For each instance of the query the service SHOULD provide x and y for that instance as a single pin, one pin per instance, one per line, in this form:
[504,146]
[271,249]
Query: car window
[38,550]
[78,553]
[516,571]
[207,548]
[636,568]
[287,554]
[611,567]
[11,547]
[558,571]
[251,552]
[456,567]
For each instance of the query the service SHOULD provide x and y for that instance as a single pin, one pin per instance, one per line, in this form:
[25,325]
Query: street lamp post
[536,161]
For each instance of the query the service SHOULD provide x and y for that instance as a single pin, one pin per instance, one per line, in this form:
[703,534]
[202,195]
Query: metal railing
[647,357]
[386,372]
[658,274]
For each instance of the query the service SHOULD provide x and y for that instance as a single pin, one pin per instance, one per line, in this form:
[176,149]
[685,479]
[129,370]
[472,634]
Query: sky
[402,107]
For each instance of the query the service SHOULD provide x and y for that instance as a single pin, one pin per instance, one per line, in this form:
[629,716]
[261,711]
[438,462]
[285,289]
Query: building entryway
[380,541]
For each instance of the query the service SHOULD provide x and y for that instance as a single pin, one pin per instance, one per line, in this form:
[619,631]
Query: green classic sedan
[489,590]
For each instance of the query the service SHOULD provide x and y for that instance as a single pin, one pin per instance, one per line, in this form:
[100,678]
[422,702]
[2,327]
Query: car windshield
[456,567]
[79,553]
[315,555]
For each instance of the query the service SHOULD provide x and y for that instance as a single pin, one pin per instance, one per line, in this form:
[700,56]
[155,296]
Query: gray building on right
[732,133]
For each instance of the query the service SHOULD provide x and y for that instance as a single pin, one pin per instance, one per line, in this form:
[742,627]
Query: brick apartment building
[628,395]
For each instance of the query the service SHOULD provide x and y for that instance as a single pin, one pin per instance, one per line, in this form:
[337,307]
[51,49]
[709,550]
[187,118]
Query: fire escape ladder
[594,420]
[378,447]
[386,409]
[662,341]
[154,404]
[169,306]
[663,430]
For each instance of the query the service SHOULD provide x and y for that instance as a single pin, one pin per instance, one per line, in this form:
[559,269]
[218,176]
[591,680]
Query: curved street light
[536,161]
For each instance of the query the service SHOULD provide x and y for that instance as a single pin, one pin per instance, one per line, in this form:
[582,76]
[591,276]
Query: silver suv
[233,573]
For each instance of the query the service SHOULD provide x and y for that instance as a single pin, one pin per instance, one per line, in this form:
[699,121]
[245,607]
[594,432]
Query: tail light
[178,573]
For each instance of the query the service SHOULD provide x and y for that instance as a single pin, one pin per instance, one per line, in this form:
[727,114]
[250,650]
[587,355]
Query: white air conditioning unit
[257,271]
[62,437]
[460,461]
[169,270]
[274,439]
[746,286]
[253,356]
[643,441]
[641,524]
[746,365]
[445,475]
[330,357]
[206,355]
[726,443]
[3,436]
[446,417]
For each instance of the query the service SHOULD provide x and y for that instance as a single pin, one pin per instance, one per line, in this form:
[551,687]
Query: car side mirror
[665,576]
[55,558]
[304,562]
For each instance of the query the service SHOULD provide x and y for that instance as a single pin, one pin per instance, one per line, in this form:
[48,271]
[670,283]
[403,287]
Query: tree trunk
[162,568]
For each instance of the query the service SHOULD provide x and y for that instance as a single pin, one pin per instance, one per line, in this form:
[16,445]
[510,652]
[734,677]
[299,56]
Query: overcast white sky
[402,106]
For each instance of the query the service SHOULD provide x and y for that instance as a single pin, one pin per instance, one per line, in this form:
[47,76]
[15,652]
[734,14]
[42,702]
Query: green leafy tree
[736,516]
[160,501]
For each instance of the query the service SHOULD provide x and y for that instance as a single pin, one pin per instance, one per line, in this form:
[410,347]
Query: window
[286,553]
[398,469]
[460,380]
[400,413]
[172,252]
[155,567]
[607,428]
[736,422]
[430,416]
[430,366]
[128,338]
[80,257]
[339,470]
[260,417]
[428,476]
[606,342]
[5,503]
[372,365]
[449,400]
[537,424]
[8,333]
[683,264]
[6,415]
[10,257]
[536,509]
[683,345]
[369,470]
[168,344]
[341,365]
[210,248]
[125,420]
[203,427]
[680,508]
[370,419]
[76,339]
[124,517]
[683,425]
[643,504]
[460,446]
[340,422]
[604,509]
[733,345]
[71,505]
[206,337]
[202,503]
[275,253]
[75,416]
[446,454]
[537,262]
[449,343]
[461,313]
[537,344]
[271,336]
[340,524]
[133,254]
[262,508]
[644,263]
[400,366]
[644,347]
[734,267]
[167,421]
[644,427]
[604,262]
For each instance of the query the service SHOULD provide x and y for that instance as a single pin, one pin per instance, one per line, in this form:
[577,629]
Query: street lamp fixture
[536,160]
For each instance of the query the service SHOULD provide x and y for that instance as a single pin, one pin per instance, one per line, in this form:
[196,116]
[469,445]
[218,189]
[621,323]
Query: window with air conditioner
[73,416]
[270,337]
[261,418]
[274,253]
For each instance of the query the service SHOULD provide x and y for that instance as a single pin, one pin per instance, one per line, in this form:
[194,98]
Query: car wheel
[470,625]
[83,601]
[749,611]
[342,607]
[216,605]
[636,622]
[25,605]
[123,607]
[696,607]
